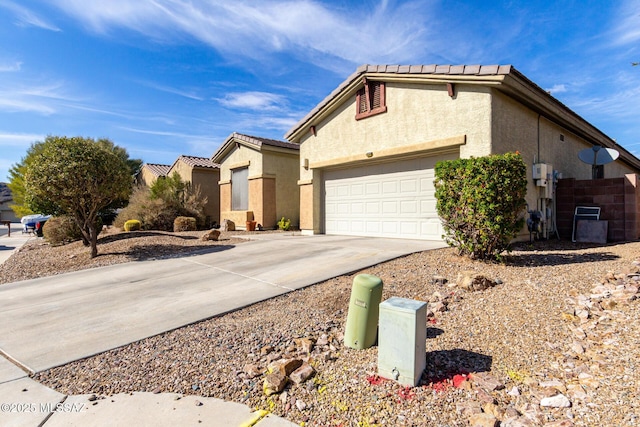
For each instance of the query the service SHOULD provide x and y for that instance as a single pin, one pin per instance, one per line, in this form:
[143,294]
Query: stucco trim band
[305,182]
[436,146]
[241,165]
[225,182]
[263,176]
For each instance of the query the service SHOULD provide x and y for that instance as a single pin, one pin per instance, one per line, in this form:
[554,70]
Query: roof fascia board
[228,146]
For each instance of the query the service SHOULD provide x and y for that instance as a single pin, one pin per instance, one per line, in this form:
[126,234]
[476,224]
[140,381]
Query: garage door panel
[390,227]
[373,208]
[395,199]
[409,186]
[372,189]
[390,208]
[409,207]
[389,187]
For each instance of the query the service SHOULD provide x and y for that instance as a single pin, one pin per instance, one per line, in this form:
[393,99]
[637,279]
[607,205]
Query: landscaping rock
[211,235]
[472,281]
[274,383]
[227,225]
[482,420]
[302,374]
[557,401]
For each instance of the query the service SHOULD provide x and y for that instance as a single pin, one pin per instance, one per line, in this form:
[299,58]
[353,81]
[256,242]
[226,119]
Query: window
[370,100]
[240,189]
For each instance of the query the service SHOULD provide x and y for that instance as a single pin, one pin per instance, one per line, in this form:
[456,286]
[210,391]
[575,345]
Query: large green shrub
[60,230]
[481,202]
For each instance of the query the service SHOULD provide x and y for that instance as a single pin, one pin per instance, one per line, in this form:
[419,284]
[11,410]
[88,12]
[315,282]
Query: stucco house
[368,150]
[6,200]
[149,172]
[258,180]
[204,174]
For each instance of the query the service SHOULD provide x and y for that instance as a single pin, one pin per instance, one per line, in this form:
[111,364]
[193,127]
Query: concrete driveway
[51,321]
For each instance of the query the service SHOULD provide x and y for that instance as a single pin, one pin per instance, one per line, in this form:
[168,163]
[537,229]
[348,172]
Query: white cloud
[44,98]
[559,88]
[175,91]
[627,29]
[26,17]
[307,28]
[7,68]
[20,140]
[252,100]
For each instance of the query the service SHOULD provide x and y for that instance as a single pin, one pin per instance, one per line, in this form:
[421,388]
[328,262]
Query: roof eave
[533,96]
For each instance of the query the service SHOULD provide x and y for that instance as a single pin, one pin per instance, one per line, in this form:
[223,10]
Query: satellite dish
[597,156]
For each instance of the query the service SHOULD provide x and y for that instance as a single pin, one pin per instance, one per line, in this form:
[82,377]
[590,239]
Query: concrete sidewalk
[8,245]
[51,321]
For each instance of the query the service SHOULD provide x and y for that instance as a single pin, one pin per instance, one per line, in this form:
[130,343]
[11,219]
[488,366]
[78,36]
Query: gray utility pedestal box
[402,335]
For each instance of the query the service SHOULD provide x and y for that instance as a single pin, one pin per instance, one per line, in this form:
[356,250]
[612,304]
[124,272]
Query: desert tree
[78,177]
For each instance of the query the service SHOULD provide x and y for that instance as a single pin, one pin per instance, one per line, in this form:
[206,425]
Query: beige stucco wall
[285,167]
[241,156]
[273,188]
[207,181]
[6,213]
[416,114]
[516,127]
[146,177]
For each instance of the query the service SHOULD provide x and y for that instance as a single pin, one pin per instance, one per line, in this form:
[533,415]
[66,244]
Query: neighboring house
[368,150]
[6,213]
[150,172]
[258,180]
[202,173]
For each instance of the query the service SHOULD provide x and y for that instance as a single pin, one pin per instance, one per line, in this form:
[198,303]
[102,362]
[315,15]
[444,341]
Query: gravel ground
[554,342]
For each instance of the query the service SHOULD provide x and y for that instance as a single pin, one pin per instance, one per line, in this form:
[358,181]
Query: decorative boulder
[472,281]
[211,235]
[228,225]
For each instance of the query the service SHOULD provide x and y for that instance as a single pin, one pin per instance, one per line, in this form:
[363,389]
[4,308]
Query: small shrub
[184,223]
[284,224]
[481,202]
[132,225]
[61,230]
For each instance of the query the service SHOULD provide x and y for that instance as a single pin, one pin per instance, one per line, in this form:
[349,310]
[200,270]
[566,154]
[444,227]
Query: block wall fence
[618,199]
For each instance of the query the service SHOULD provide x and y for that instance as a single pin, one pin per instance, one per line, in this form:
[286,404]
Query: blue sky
[168,77]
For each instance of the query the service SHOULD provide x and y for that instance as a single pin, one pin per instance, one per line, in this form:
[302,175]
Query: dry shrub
[184,223]
[61,230]
[158,213]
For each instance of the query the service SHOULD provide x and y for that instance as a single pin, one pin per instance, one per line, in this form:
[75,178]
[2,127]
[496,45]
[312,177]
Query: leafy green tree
[16,181]
[481,202]
[170,189]
[16,174]
[77,177]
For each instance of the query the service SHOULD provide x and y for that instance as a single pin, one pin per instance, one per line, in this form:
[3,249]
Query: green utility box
[362,319]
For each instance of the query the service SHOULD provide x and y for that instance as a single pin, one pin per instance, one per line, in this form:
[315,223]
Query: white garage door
[395,199]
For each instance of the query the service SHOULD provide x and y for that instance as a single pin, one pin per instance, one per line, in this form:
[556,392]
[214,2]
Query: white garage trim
[394,199]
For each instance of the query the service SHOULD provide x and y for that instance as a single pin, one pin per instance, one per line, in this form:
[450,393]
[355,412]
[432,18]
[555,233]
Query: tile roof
[5,193]
[258,141]
[157,169]
[197,162]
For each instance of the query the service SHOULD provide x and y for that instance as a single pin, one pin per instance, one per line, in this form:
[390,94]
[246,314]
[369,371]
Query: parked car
[33,223]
